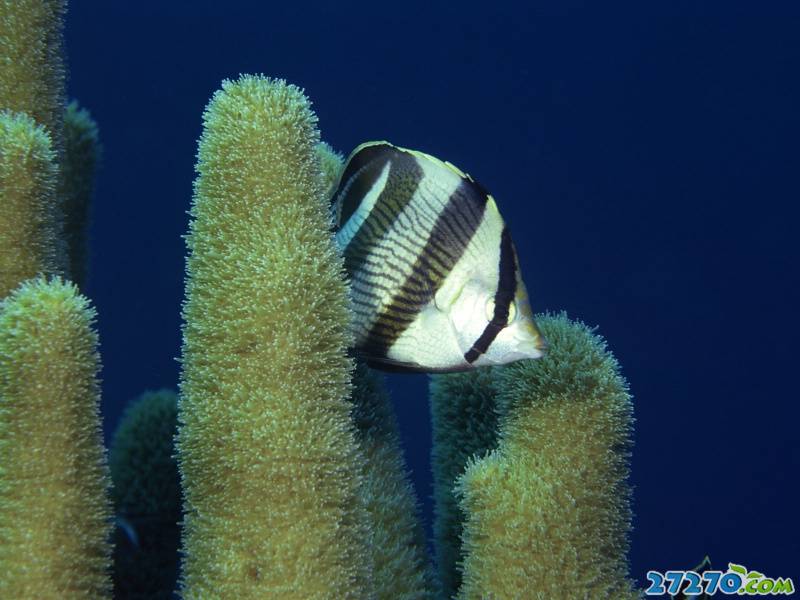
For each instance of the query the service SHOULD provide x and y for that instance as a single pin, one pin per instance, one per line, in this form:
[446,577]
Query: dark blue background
[644,154]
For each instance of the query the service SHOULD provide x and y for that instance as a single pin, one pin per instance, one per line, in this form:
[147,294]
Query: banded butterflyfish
[684,593]
[435,283]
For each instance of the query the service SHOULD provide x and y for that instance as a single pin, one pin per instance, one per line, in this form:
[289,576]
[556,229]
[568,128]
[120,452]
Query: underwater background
[645,156]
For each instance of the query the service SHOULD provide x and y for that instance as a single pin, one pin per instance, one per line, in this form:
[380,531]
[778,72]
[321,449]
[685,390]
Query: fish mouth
[529,335]
[530,345]
[515,355]
[525,350]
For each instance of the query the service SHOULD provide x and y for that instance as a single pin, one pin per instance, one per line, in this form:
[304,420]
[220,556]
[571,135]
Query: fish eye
[512,311]
[490,309]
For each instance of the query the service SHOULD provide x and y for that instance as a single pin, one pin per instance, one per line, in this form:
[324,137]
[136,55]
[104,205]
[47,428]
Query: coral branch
[81,152]
[28,180]
[54,509]
[397,541]
[548,512]
[32,70]
[464,421]
[266,447]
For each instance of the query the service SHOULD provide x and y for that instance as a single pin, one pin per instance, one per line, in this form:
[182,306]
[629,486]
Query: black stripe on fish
[506,290]
[404,178]
[422,282]
[374,156]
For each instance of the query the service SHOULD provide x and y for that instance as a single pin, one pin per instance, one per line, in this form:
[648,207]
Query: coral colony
[289,466]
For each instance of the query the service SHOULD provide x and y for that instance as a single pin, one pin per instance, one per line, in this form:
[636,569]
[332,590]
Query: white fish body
[434,277]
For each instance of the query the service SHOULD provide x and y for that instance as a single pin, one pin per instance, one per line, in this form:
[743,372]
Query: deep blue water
[645,155]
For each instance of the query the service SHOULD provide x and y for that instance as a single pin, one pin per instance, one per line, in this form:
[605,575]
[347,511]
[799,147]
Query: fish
[704,566]
[435,283]
[128,529]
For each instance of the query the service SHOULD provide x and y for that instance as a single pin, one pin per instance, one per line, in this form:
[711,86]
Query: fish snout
[528,342]
[541,343]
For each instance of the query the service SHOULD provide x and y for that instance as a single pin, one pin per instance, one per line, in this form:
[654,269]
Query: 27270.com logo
[703,582]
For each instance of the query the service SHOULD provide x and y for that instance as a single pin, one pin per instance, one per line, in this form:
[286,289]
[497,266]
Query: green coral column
[330,167]
[548,512]
[464,423]
[397,540]
[28,181]
[32,69]
[267,452]
[54,510]
[147,498]
[81,154]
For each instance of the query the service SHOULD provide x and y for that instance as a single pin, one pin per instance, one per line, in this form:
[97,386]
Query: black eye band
[506,290]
